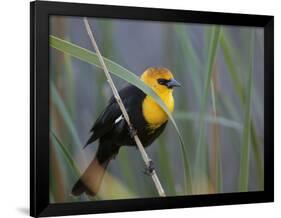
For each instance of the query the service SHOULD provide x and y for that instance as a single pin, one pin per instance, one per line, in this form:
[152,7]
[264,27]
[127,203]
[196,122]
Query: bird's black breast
[112,127]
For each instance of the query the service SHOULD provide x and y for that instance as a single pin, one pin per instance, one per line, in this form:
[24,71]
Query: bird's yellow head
[161,80]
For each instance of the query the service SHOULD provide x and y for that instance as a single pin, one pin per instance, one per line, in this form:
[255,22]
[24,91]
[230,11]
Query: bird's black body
[108,130]
[112,131]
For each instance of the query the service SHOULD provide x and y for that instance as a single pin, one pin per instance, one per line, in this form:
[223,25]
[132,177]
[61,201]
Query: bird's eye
[162,81]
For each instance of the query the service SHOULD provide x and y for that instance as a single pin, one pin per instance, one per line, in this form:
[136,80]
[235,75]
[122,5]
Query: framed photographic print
[140,109]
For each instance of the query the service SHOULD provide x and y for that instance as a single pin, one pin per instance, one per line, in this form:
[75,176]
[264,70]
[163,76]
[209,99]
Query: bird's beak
[173,83]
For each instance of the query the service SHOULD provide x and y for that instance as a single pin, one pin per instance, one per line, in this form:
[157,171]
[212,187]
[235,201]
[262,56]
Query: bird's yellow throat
[152,112]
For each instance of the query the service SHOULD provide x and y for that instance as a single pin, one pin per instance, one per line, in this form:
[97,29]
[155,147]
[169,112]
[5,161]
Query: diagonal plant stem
[144,155]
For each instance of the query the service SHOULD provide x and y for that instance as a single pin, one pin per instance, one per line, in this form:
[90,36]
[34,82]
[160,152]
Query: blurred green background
[219,112]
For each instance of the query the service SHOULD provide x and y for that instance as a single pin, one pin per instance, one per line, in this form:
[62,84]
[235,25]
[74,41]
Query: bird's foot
[132,131]
[148,170]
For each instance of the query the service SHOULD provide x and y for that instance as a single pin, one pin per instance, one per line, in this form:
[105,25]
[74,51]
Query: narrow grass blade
[258,157]
[165,167]
[59,103]
[224,122]
[216,144]
[211,58]
[231,66]
[68,156]
[244,160]
[56,177]
[190,54]
[227,47]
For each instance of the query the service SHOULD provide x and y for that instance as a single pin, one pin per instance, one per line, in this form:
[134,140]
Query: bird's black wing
[106,120]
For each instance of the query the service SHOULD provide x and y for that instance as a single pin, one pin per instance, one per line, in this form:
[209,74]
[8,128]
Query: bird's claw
[148,170]
[132,132]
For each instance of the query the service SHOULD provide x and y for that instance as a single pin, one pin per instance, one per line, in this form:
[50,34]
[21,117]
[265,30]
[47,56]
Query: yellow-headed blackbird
[147,117]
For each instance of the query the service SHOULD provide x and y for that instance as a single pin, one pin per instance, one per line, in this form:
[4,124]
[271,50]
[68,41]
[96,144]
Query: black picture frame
[39,107]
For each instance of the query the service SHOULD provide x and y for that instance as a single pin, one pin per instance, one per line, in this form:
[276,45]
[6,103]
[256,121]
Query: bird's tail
[91,179]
